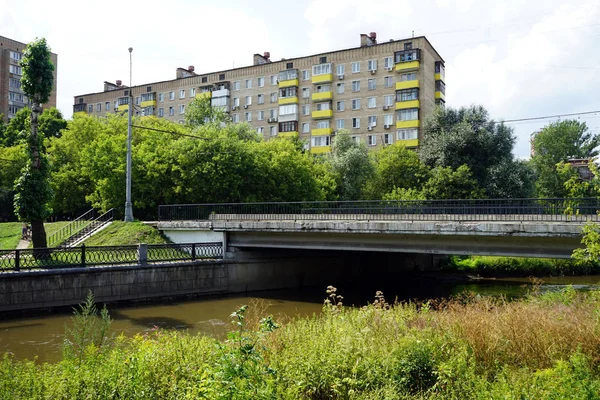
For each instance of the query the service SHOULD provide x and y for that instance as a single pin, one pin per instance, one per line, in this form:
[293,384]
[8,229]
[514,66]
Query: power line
[171,132]
[550,116]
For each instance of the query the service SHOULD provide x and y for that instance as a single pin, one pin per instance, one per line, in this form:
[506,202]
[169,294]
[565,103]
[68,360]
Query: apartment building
[12,98]
[380,92]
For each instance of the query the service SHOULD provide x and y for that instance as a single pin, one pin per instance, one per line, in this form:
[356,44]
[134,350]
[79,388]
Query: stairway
[86,230]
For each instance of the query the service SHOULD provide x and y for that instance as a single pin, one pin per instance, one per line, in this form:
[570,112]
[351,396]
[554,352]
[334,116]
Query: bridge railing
[540,209]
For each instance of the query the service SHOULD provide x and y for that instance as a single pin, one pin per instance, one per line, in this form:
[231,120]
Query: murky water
[42,336]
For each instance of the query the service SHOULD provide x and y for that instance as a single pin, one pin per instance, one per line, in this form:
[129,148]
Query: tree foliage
[52,123]
[38,71]
[446,183]
[200,112]
[17,128]
[352,166]
[558,142]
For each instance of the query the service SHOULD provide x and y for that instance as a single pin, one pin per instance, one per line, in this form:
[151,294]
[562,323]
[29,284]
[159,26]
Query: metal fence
[543,209]
[91,256]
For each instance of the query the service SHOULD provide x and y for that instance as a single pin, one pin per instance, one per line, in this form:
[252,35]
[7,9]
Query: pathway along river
[42,336]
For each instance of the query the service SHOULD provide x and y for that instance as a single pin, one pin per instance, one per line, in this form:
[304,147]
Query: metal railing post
[17,260]
[193,251]
[83,256]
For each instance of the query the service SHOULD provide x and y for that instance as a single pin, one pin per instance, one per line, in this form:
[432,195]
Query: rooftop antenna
[413,33]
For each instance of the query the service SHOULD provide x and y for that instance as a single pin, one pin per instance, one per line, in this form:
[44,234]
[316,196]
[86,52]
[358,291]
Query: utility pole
[128,209]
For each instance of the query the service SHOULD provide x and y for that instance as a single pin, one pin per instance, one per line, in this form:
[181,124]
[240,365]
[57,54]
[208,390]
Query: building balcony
[440,77]
[401,105]
[408,66]
[320,149]
[220,93]
[409,142]
[148,103]
[292,134]
[322,114]
[123,107]
[440,96]
[407,85]
[323,78]
[204,95]
[288,83]
[321,131]
[288,117]
[80,108]
[288,100]
[322,96]
[413,123]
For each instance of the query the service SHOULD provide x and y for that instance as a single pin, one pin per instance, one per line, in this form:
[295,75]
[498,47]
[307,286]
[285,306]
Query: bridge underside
[515,246]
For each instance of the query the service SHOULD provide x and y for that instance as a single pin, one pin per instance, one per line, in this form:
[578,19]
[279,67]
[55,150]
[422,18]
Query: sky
[518,59]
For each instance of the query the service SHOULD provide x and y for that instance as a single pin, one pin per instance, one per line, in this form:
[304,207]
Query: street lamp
[128,210]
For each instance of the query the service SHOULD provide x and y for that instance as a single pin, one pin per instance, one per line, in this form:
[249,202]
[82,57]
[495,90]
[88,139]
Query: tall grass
[519,266]
[542,347]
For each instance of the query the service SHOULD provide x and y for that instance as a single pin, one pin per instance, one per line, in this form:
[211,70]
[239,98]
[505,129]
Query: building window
[440,87]
[388,63]
[289,65]
[320,141]
[439,68]
[260,130]
[147,96]
[288,109]
[406,55]
[273,79]
[408,46]
[171,95]
[291,126]
[372,65]
[339,105]
[372,140]
[340,69]
[90,108]
[321,69]
[107,106]
[138,100]
[323,124]
[161,112]
[273,113]
[15,69]
[356,67]
[98,107]
[411,76]
[409,114]
[356,122]
[273,130]
[182,94]
[221,77]
[356,104]
[248,116]
[340,123]
[236,101]
[235,118]
[192,92]
[372,102]
[248,83]
[181,108]
[388,100]
[341,88]
[356,86]
[407,94]
[236,85]
[407,134]
[388,119]
[204,79]
[273,97]
[372,84]
[288,92]
[388,82]
[260,116]
[306,109]
[305,127]
[260,99]
[305,93]
[15,56]
[171,111]
[248,101]
[261,81]
[15,83]
[116,104]
[387,138]
[161,97]
[372,121]
[305,75]
[323,106]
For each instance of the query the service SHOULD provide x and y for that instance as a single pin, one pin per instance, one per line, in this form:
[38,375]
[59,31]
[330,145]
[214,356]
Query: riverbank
[544,346]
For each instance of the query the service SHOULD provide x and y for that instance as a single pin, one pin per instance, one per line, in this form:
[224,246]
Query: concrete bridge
[549,228]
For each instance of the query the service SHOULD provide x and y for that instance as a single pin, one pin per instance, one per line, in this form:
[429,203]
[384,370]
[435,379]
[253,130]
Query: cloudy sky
[517,58]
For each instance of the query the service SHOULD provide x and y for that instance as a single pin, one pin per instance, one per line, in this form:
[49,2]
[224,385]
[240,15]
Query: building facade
[12,98]
[379,92]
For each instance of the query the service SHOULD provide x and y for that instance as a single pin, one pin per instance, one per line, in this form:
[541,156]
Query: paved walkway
[23,244]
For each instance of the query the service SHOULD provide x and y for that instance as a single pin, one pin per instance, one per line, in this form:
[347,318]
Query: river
[41,335]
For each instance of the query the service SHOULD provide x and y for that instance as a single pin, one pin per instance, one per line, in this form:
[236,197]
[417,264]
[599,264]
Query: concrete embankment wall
[243,271]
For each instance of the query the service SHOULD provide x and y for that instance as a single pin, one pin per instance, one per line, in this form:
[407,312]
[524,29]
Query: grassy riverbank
[515,266]
[542,347]
[120,233]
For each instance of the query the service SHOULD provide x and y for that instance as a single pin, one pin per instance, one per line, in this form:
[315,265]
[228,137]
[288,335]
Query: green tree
[558,142]
[12,161]
[468,136]
[33,191]
[52,123]
[351,164]
[395,167]
[510,179]
[18,127]
[200,112]
[446,183]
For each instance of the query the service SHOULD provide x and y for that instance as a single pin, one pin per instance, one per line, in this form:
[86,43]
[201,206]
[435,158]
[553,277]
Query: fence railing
[542,209]
[89,229]
[91,256]
[71,228]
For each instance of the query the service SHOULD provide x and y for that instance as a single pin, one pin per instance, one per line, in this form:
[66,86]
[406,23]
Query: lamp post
[128,209]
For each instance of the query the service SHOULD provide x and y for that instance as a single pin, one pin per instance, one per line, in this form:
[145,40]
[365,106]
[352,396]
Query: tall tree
[200,111]
[33,191]
[352,165]
[51,123]
[17,128]
[558,142]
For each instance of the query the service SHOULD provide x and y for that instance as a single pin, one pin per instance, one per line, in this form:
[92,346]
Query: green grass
[517,266]
[10,234]
[121,233]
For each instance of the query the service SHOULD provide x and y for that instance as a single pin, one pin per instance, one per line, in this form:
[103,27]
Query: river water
[41,336]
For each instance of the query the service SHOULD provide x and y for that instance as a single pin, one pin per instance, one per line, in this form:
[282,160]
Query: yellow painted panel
[124,107]
[410,142]
[439,77]
[321,131]
[288,83]
[288,100]
[401,105]
[322,114]
[413,123]
[322,96]
[407,85]
[322,78]
[440,95]
[148,103]
[320,149]
[407,66]
[79,113]
[203,95]
[288,134]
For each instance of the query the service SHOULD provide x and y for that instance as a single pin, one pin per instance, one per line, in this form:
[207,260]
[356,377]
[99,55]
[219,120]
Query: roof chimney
[191,68]
[267,55]
[373,35]
[119,82]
